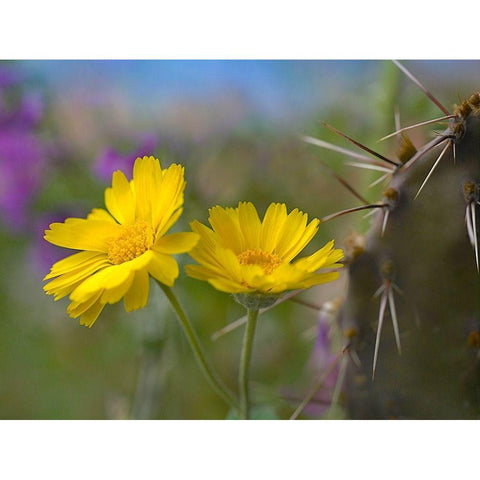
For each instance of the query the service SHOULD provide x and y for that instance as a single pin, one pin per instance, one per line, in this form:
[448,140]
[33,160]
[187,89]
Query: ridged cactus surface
[410,318]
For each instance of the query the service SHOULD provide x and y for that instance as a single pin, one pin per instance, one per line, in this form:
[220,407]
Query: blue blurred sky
[270,88]
[276,90]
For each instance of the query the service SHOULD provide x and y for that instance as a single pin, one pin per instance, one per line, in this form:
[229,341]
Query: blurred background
[236,126]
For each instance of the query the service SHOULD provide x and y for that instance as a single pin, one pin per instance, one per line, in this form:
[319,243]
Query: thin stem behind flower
[317,385]
[194,341]
[240,321]
[245,363]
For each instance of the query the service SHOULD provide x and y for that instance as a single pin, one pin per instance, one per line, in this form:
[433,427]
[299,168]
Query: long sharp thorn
[475,239]
[368,166]
[335,148]
[468,221]
[400,130]
[432,169]
[304,303]
[369,214]
[398,289]
[363,147]
[351,210]
[385,220]
[379,180]
[339,383]
[418,84]
[355,358]
[426,148]
[344,182]
[454,153]
[396,115]
[345,151]
[383,303]
[379,290]
[393,313]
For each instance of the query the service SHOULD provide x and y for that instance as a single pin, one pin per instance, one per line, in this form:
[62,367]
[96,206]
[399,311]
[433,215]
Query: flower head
[243,255]
[121,247]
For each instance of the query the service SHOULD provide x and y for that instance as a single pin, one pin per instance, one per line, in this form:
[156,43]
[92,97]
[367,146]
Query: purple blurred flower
[111,159]
[27,114]
[322,359]
[22,159]
[22,153]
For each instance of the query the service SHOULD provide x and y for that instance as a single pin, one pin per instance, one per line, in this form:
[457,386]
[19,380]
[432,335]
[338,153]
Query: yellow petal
[226,225]
[205,253]
[315,279]
[280,279]
[163,267]
[230,264]
[252,275]
[77,275]
[91,315]
[169,197]
[146,174]
[200,272]
[177,242]
[115,294]
[107,279]
[165,227]
[159,193]
[293,230]
[227,285]
[100,214]
[250,224]
[208,244]
[81,234]
[203,258]
[120,200]
[64,291]
[307,235]
[137,295]
[324,257]
[73,262]
[76,309]
[272,226]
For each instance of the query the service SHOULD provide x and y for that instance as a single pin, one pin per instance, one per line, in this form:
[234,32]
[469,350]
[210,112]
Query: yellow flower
[121,247]
[245,255]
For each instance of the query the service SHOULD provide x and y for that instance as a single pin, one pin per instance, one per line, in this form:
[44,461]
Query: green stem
[194,341]
[245,363]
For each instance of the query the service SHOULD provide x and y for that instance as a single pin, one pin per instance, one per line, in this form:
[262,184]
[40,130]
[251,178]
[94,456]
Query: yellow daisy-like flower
[122,247]
[243,255]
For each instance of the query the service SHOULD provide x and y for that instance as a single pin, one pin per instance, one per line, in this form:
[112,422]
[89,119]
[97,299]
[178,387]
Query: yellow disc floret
[134,240]
[268,261]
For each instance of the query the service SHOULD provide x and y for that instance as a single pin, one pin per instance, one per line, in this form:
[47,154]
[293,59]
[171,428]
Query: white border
[235,449]
[304,29]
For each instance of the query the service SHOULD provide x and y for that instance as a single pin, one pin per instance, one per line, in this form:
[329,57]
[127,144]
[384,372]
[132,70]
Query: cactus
[411,312]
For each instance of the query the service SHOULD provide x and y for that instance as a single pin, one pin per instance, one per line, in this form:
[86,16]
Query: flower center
[131,243]
[268,261]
